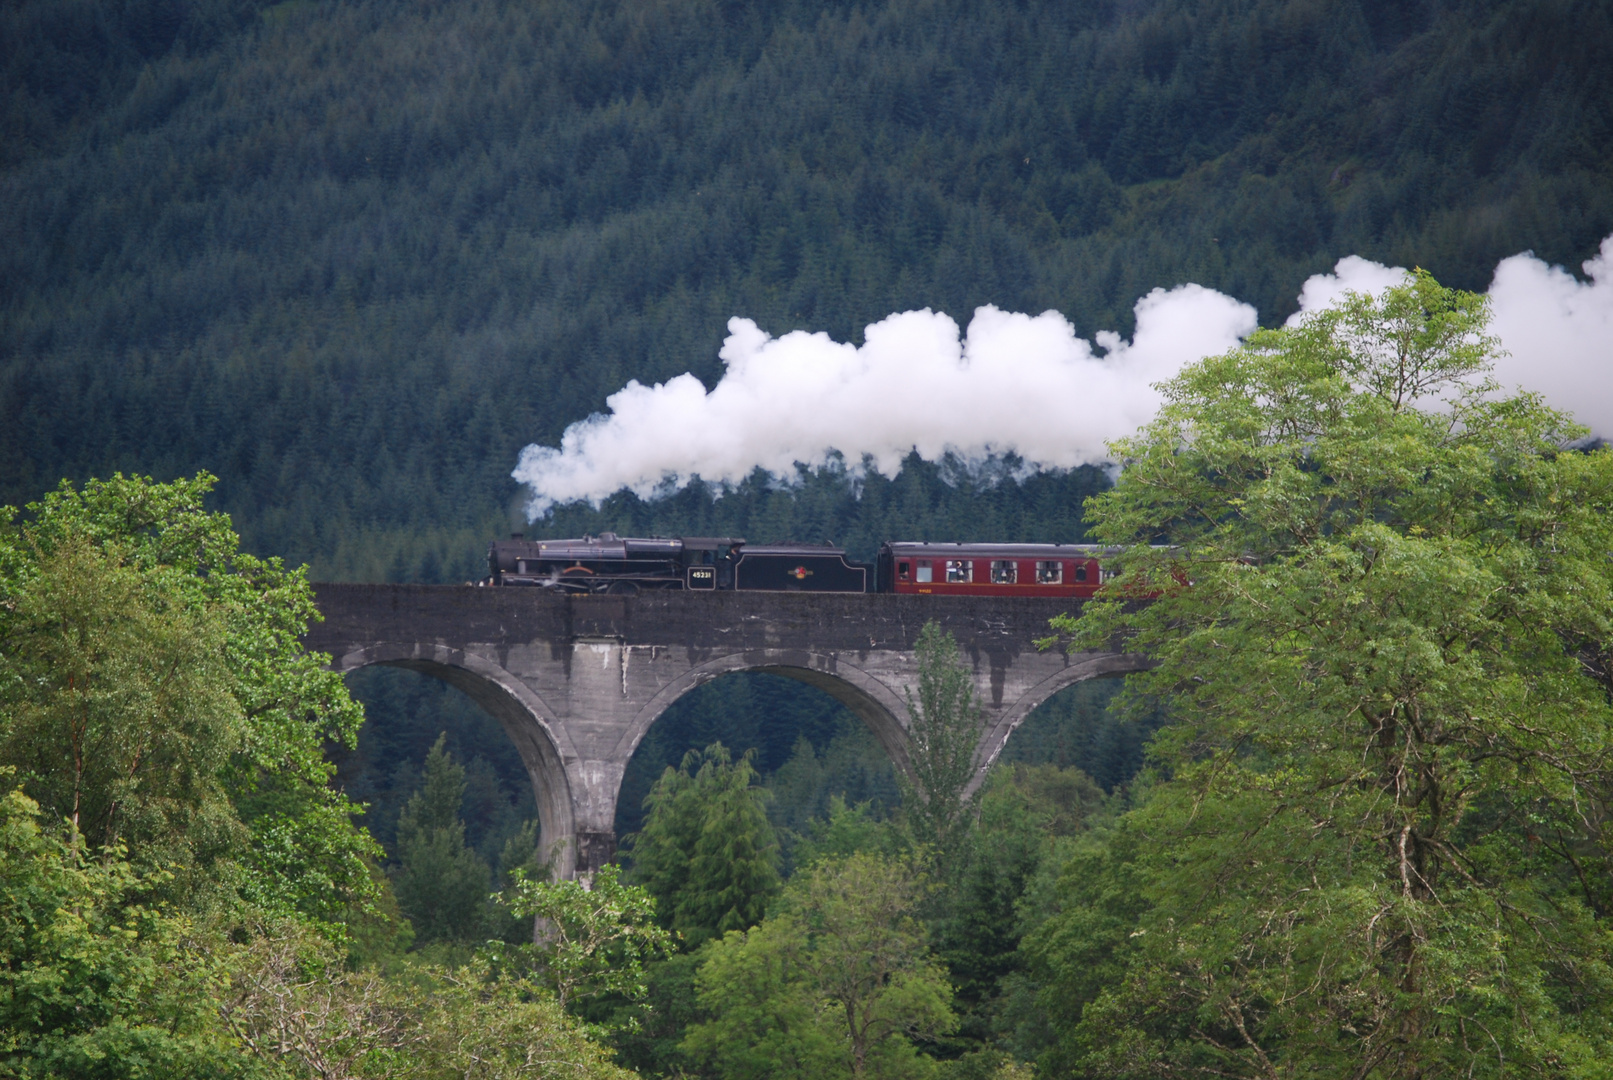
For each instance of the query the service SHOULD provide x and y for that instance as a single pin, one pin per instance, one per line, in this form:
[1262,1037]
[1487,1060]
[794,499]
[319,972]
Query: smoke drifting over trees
[1023,385]
[1012,384]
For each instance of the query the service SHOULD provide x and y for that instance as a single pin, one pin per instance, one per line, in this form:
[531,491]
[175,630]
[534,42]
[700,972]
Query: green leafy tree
[441,884]
[593,937]
[120,713]
[91,984]
[941,738]
[707,852]
[1383,637]
[174,907]
[838,983]
[1031,816]
[646,1031]
[762,1017]
[846,830]
[154,692]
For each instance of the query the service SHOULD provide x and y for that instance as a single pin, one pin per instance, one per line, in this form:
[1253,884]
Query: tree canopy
[838,983]
[182,891]
[942,732]
[441,885]
[1382,628]
[155,694]
[707,852]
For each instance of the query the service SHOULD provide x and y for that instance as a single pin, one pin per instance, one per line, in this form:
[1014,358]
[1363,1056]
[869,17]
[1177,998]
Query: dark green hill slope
[351,256]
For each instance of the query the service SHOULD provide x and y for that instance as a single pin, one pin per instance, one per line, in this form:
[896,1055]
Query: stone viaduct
[576,681]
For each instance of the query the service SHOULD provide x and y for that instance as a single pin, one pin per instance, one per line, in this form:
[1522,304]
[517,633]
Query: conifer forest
[286,288]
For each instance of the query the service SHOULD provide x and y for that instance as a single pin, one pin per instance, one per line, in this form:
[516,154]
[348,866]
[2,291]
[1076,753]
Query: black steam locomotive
[617,565]
[608,563]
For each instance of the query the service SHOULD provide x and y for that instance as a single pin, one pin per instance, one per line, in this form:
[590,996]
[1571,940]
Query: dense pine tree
[441,885]
[707,852]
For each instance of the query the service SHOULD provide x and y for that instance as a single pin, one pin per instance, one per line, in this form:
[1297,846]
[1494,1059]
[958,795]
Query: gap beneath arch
[1078,727]
[808,745]
[405,711]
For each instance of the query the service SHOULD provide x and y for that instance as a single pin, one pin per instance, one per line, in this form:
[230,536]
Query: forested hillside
[351,256]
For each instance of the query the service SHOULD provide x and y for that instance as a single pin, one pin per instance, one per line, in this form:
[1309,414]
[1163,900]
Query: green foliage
[593,937]
[804,793]
[646,1032]
[376,933]
[189,919]
[501,1031]
[943,728]
[95,985]
[707,853]
[1383,639]
[838,983]
[154,692]
[847,829]
[441,885]
[92,985]
[764,1018]
[119,709]
[1032,820]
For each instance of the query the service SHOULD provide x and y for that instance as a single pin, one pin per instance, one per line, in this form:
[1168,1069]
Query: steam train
[617,565]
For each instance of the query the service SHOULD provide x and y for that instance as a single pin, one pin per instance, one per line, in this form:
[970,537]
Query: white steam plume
[1560,334]
[1557,331]
[1013,384]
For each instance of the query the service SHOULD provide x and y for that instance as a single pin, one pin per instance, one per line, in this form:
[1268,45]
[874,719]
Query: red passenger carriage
[1074,570]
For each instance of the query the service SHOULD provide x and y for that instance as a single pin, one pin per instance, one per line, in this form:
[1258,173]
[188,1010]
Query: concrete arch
[528,722]
[1082,666]
[871,700]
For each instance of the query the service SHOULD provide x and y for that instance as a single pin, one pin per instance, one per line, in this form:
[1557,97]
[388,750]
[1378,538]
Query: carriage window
[901,570]
[959,571]
[1050,572]
[1081,572]
[1106,574]
[1004,571]
[924,572]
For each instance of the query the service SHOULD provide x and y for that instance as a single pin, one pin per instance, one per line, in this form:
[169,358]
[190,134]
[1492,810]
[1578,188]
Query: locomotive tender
[617,565]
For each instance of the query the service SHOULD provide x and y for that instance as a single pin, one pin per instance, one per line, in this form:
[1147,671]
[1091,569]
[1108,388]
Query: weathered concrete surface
[576,681]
